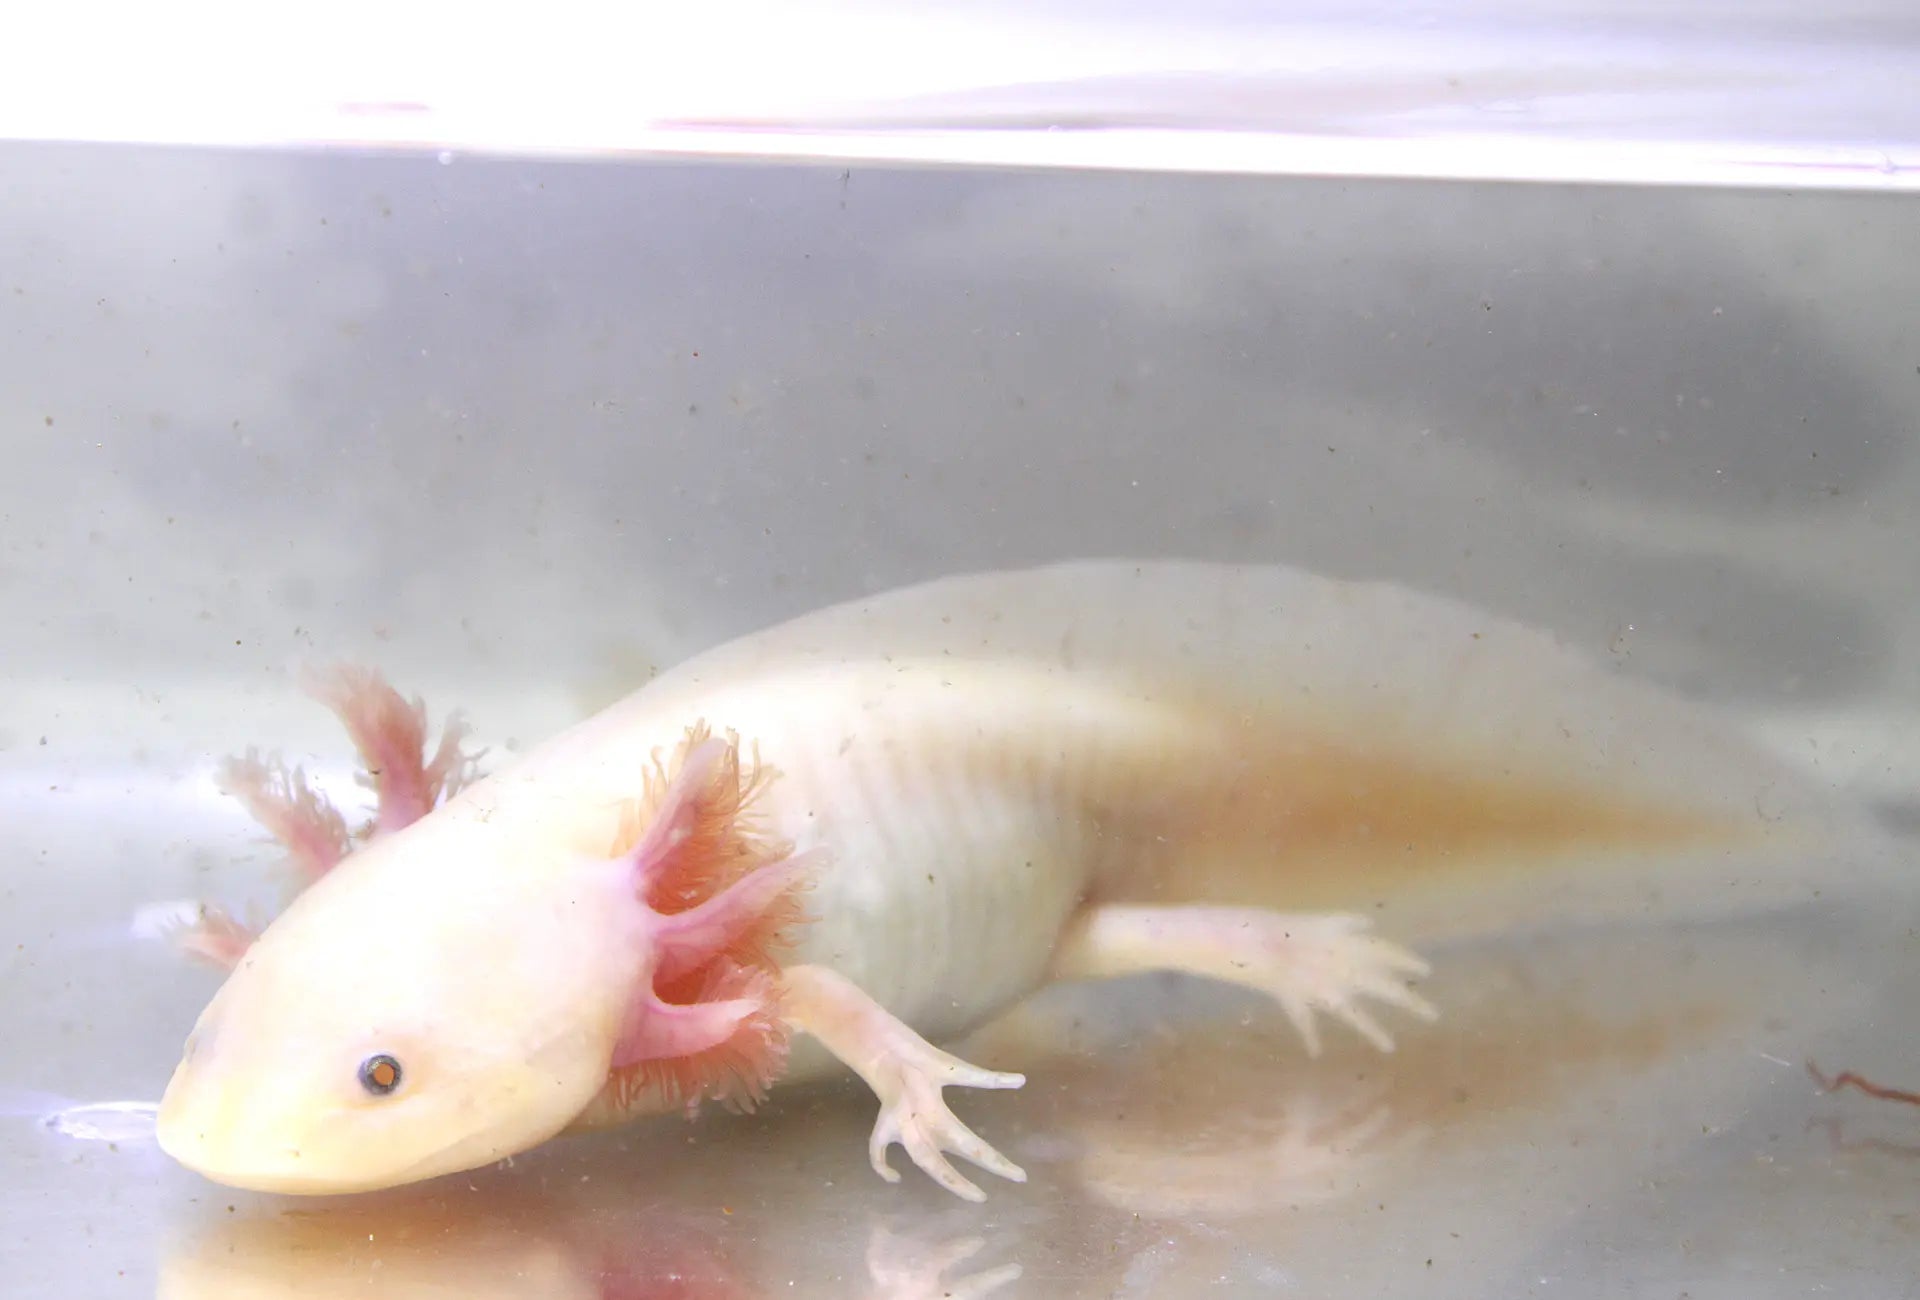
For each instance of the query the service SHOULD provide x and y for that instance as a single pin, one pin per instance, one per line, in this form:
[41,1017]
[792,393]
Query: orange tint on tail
[717,839]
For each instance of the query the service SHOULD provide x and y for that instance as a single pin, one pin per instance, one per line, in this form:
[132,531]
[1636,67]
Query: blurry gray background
[564,421]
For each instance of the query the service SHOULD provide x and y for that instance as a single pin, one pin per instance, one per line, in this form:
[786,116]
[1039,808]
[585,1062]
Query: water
[522,433]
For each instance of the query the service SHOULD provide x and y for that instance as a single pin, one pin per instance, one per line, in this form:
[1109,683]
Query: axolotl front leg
[390,735]
[907,1074]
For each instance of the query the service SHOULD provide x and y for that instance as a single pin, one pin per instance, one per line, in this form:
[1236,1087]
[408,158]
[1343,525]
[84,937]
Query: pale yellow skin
[1014,777]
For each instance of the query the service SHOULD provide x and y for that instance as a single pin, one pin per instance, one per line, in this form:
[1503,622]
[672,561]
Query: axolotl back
[837,842]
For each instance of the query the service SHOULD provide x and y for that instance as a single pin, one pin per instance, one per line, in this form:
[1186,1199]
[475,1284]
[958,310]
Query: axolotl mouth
[215,1124]
[203,1124]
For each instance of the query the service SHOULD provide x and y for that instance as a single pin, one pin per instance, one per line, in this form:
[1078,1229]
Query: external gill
[719,899]
[390,734]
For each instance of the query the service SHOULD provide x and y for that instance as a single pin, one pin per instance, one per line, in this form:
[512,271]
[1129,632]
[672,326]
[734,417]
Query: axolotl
[837,843]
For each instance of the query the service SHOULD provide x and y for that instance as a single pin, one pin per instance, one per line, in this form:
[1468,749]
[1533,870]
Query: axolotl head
[417,1012]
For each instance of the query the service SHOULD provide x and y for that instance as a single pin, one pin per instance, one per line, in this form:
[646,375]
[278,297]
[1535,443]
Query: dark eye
[380,1074]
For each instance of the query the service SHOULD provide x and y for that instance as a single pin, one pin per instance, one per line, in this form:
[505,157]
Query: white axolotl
[878,826]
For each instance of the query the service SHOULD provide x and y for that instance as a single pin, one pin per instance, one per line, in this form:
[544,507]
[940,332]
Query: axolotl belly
[835,843]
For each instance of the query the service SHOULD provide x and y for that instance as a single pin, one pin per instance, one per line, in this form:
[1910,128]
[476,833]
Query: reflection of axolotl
[888,821]
[601,1236]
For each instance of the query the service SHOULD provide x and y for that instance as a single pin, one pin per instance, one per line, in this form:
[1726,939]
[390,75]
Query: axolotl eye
[380,1074]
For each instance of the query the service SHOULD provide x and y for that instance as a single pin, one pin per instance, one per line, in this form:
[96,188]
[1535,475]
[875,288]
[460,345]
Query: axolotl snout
[834,843]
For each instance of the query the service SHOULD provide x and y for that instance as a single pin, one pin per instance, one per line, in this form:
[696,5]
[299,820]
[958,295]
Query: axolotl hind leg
[390,734]
[1310,964]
